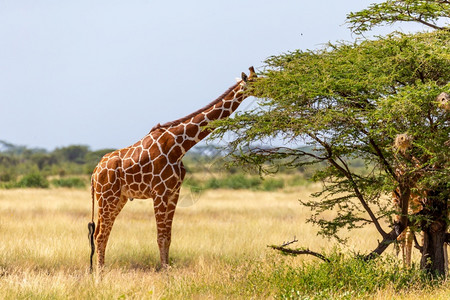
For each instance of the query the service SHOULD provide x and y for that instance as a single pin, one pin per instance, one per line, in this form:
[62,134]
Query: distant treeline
[17,161]
[72,165]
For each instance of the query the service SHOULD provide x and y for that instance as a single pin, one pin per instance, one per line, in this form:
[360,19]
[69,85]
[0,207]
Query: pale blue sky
[102,73]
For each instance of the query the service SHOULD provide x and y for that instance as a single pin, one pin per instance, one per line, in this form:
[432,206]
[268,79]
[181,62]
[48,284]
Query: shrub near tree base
[344,277]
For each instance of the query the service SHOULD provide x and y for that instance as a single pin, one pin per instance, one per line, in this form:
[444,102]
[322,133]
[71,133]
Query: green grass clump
[71,182]
[32,180]
[235,182]
[343,278]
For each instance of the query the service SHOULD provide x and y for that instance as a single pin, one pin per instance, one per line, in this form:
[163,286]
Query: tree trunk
[433,255]
[434,227]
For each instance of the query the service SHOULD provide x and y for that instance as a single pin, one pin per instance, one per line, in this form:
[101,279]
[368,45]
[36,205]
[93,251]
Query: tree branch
[348,174]
[428,24]
[387,240]
[296,252]
[377,149]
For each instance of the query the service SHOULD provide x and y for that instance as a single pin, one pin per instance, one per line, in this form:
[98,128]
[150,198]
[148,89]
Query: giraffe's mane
[180,120]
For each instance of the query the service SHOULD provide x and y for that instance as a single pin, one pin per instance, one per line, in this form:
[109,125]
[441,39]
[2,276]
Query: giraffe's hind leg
[408,246]
[108,210]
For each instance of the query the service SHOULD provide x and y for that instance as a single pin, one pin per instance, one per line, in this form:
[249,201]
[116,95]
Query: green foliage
[426,12]
[33,180]
[71,182]
[343,278]
[345,102]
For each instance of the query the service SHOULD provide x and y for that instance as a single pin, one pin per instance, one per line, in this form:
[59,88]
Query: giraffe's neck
[191,131]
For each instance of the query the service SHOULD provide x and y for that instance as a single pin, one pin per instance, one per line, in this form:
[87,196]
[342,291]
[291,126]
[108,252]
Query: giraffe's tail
[91,228]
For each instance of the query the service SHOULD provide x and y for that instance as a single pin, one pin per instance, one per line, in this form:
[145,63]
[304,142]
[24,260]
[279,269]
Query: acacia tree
[351,100]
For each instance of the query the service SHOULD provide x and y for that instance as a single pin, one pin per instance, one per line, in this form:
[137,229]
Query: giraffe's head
[245,79]
[443,101]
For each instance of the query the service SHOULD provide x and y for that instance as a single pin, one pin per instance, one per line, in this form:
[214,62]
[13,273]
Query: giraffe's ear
[244,77]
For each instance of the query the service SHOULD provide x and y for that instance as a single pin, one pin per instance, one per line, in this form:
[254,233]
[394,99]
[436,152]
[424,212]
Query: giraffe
[402,143]
[152,168]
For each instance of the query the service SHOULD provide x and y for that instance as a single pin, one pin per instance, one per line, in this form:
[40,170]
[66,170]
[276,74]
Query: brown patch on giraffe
[227,104]
[102,176]
[154,151]
[147,142]
[155,180]
[145,158]
[170,214]
[230,96]
[235,106]
[142,186]
[203,134]
[108,193]
[200,122]
[166,172]
[160,188]
[176,152]
[134,186]
[188,144]
[125,152]
[135,168]
[147,178]
[198,119]
[136,154]
[159,164]
[214,114]
[129,177]
[148,168]
[172,181]
[138,177]
[179,139]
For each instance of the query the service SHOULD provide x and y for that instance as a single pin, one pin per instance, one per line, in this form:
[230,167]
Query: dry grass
[217,242]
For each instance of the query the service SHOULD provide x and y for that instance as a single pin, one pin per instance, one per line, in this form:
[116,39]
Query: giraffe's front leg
[164,212]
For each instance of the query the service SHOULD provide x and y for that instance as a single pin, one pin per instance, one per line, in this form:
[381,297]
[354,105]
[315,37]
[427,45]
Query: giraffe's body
[152,168]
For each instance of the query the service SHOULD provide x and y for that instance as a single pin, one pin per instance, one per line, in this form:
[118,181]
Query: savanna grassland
[219,250]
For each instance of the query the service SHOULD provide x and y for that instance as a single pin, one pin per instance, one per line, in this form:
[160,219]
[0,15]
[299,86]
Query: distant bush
[272,184]
[240,181]
[32,180]
[71,182]
[234,182]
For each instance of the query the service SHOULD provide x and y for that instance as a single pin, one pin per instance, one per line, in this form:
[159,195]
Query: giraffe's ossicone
[152,168]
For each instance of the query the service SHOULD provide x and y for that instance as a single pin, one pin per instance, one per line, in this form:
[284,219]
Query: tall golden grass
[217,239]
